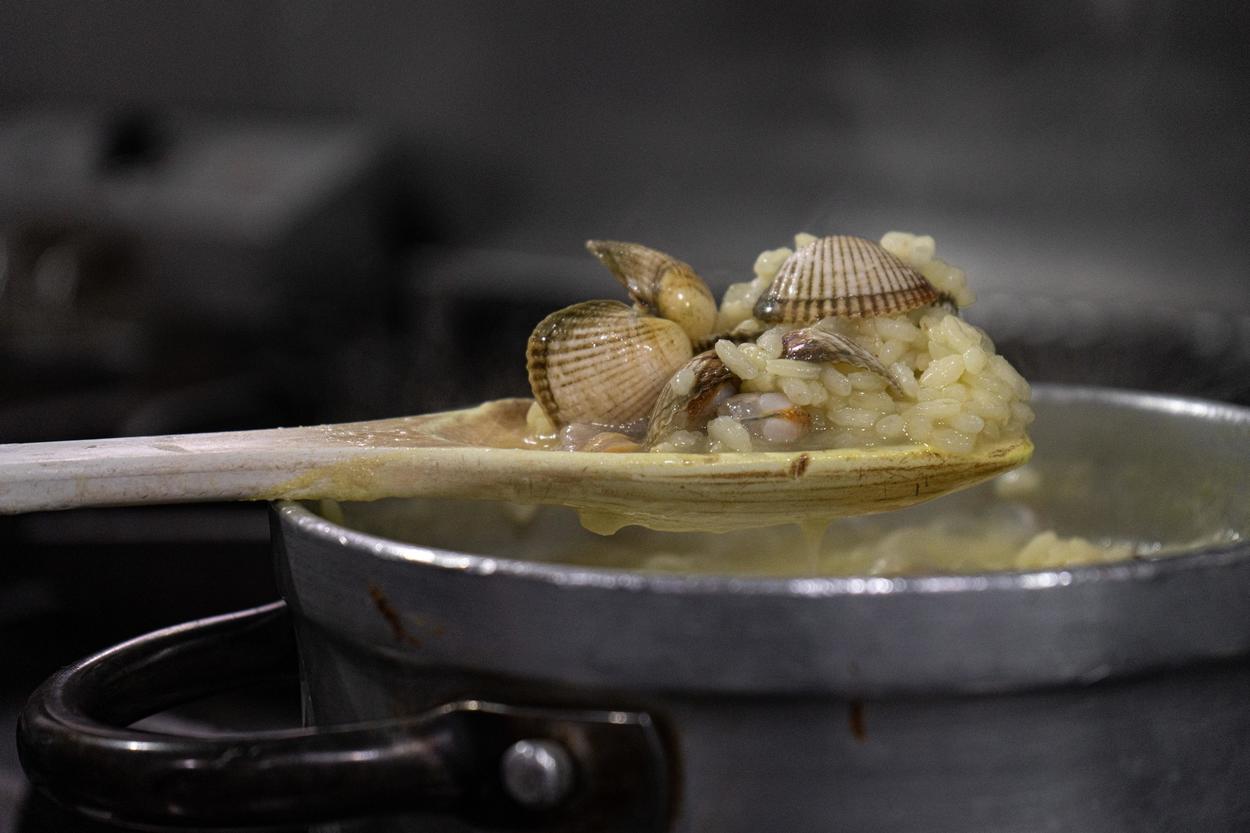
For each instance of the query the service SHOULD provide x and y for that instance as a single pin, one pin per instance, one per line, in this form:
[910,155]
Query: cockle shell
[947,301]
[747,330]
[812,344]
[689,400]
[602,362]
[843,276]
[662,285]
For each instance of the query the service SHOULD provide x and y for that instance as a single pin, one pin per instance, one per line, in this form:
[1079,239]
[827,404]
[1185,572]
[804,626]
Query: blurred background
[245,214]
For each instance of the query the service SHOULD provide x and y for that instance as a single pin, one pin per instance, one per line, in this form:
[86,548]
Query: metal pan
[541,695]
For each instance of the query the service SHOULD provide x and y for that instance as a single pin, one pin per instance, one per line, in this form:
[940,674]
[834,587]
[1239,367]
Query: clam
[812,344]
[660,284]
[747,330]
[948,302]
[602,362]
[842,276]
[690,398]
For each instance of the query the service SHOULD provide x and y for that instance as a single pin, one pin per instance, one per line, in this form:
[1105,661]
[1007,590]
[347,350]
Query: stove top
[73,583]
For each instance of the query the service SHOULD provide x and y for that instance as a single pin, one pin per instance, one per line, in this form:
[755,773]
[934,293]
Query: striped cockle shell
[660,284]
[842,276]
[812,344]
[688,407]
[602,362]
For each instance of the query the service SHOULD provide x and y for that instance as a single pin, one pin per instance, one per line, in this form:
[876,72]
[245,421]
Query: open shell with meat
[602,362]
[844,343]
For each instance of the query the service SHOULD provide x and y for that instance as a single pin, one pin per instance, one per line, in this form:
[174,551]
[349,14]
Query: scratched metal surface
[1014,701]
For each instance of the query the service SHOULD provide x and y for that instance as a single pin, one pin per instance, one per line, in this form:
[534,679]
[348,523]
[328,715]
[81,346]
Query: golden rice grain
[947,386]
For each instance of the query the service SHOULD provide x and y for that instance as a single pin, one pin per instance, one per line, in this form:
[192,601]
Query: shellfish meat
[842,276]
[691,397]
[602,362]
[768,416]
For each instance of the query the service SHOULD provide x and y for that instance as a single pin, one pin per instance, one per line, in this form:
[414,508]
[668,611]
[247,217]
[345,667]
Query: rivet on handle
[537,773]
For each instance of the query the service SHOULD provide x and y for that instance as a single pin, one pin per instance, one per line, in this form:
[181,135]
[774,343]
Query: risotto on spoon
[837,343]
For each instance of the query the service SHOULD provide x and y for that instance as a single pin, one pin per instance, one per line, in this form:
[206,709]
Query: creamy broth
[1117,476]
[993,527]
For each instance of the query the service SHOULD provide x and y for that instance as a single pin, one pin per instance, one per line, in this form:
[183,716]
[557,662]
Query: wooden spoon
[480,453]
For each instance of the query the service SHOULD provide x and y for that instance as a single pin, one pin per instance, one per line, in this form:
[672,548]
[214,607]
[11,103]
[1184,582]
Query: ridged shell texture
[820,346]
[843,276]
[690,409]
[602,362]
[660,283]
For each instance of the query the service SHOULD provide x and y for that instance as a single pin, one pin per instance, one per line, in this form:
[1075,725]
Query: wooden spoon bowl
[480,453]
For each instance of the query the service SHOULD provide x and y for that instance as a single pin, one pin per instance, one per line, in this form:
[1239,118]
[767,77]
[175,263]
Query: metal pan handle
[497,766]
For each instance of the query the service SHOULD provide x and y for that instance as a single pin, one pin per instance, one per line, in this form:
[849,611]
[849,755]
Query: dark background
[239,214]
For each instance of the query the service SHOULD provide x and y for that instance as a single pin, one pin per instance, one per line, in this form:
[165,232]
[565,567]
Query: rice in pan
[951,389]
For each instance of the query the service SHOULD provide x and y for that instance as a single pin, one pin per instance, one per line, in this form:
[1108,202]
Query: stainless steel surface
[1107,698]
[537,773]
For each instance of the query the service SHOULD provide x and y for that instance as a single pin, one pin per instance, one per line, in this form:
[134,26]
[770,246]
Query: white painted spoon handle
[429,454]
[170,469]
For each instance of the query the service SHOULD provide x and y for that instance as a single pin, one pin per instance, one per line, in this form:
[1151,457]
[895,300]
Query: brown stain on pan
[392,617]
[855,716]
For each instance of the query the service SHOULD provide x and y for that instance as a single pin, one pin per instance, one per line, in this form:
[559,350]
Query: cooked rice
[683,381]
[956,391]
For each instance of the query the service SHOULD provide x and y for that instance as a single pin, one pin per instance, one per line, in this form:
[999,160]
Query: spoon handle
[445,453]
[234,465]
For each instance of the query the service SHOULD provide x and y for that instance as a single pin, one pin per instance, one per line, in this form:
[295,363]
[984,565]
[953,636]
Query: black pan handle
[496,766]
